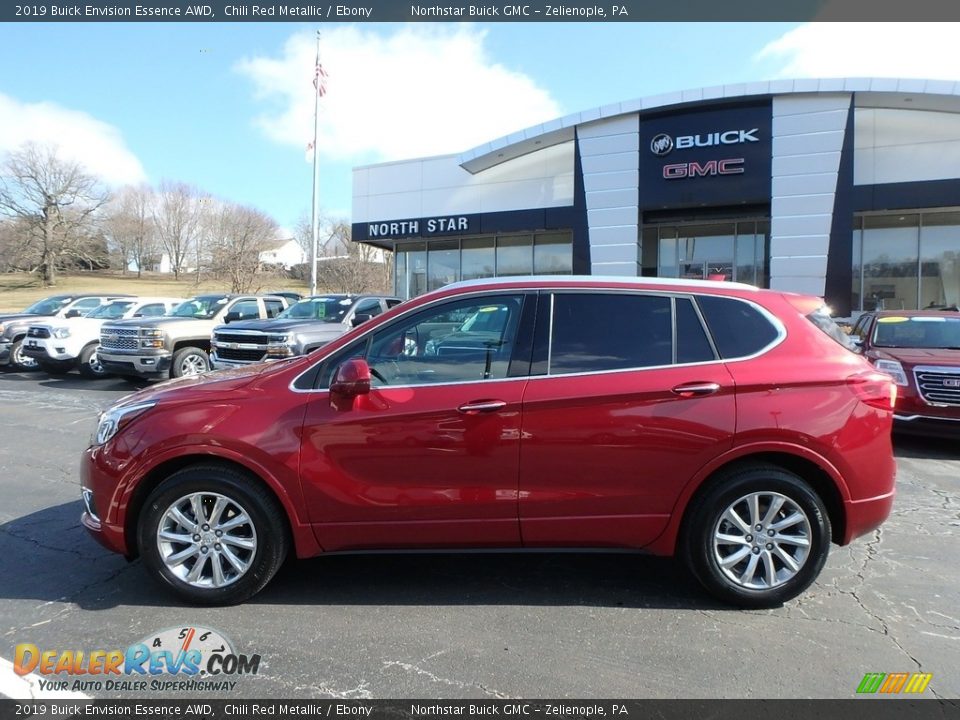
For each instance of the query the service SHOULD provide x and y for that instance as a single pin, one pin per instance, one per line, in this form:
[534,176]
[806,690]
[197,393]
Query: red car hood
[220,381]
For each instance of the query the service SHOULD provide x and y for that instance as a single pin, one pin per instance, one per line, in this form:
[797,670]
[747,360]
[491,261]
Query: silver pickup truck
[298,330]
[178,344]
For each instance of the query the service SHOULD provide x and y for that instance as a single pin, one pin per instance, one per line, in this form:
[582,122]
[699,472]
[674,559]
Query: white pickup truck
[58,346]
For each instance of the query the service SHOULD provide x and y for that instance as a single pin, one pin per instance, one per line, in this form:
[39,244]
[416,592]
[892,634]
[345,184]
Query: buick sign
[661,144]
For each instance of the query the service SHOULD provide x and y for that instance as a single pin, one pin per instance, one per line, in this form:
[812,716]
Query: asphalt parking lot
[483,626]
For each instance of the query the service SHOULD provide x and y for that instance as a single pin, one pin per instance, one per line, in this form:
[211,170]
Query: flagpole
[314,220]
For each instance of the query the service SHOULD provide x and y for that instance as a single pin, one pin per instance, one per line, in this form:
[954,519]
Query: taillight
[875,389]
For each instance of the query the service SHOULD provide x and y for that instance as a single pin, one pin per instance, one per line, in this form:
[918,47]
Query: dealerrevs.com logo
[173,660]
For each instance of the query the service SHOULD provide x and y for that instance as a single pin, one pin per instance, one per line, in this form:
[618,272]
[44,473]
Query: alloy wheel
[207,540]
[762,540]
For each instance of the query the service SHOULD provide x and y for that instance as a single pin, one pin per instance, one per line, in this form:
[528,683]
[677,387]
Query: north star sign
[419,227]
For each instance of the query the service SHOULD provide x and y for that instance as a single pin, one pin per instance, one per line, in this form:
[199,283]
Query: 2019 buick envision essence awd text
[728,425]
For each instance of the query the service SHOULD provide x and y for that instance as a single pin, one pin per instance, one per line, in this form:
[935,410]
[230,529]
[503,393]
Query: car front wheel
[213,535]
[19,360]
[757,537]
[189,361]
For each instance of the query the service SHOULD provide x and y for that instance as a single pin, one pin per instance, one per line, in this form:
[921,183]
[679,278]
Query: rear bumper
[864,516]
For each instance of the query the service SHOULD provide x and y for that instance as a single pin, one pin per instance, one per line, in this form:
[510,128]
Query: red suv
[920,350]
[716,421]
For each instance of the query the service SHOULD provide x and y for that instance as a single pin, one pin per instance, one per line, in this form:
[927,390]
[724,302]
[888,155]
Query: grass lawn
[19,290]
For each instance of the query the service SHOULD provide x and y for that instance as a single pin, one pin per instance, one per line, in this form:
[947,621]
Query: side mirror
[73,313]
[232,317]
[360,319]
[350,380]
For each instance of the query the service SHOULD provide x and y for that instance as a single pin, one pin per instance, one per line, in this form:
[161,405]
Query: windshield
[48,306]
[202,307]
[110,311]
[918,332]
[331,309]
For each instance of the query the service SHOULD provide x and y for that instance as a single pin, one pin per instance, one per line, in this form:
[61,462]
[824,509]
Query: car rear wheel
[213,535]
[189,361]
[759,536]
[19,360]
[90,366]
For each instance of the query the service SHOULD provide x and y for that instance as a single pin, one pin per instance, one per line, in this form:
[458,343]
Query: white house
[286,253]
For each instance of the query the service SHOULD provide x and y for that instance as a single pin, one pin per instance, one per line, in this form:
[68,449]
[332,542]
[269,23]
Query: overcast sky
[228,107]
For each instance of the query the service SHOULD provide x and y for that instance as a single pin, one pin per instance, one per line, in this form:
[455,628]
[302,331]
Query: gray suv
[298,330]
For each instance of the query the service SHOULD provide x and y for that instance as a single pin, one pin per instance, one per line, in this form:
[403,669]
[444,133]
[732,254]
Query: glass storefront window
[400,273]
[716,251]
[552,254]
[443,263]
[477,258]
[416,274]
[889,258]
[940,260]
[514,255]
[419,266]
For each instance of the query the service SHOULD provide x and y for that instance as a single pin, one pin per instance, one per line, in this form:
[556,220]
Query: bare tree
[237,235]
[130,225]
[176,215]
[346,266]
[54,202]
[343,265]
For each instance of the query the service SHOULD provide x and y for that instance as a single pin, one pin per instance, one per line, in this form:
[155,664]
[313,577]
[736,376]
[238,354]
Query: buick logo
[661,144]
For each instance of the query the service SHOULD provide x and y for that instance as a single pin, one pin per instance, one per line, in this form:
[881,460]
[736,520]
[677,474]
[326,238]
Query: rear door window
[738,328]
[594,332]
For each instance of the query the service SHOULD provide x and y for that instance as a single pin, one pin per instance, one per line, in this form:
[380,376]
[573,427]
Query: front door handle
[482,406]
[696,389]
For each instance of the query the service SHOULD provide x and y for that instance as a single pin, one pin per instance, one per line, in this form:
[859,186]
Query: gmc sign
[730,166]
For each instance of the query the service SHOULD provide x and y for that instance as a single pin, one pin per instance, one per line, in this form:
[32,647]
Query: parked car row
[159,338]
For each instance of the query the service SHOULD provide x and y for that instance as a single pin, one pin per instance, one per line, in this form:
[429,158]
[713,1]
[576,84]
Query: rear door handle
[482,406]
[696,389]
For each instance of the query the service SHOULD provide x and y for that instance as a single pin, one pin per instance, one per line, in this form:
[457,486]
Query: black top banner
[521,11]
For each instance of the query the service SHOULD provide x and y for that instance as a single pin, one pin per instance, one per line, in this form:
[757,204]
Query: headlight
[151,332]
[112,419]
[1,328]
[61,332]
[894,369]
[278,339]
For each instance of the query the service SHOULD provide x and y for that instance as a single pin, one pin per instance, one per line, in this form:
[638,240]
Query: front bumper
[97,492]
[47,349]
[145,366]
[916,424]
[5,352]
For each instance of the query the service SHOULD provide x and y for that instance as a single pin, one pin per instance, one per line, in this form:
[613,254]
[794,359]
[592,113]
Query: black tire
[704,519]
[186,358]
[53,367]
[266,520]
[18,361]
[89,366]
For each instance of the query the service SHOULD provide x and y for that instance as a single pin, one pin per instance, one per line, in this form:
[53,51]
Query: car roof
[551,281]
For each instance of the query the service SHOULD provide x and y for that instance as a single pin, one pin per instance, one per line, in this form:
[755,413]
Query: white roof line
[493,150]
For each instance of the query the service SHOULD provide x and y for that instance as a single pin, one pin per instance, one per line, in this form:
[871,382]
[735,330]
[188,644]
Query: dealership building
[843,188]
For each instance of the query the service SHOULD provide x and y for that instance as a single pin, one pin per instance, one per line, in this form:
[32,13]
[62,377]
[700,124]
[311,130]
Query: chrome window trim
[692,295]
